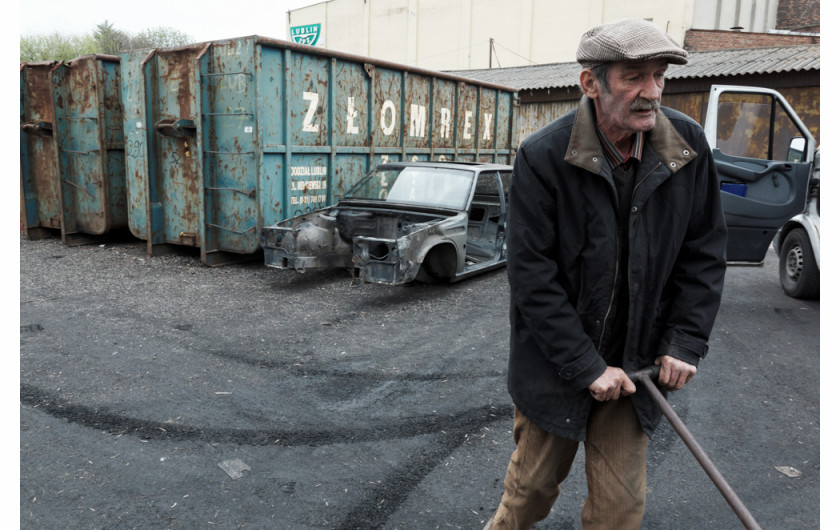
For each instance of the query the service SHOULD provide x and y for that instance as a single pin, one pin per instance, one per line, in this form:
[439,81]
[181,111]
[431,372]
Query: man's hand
[612,384]
[674,373]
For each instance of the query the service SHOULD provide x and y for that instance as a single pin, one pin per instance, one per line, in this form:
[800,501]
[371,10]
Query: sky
[203,20]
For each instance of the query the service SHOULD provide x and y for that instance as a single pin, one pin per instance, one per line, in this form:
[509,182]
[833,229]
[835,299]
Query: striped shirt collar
[614,156]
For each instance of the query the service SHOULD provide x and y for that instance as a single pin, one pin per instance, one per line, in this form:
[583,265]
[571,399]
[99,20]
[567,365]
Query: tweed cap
[630,39]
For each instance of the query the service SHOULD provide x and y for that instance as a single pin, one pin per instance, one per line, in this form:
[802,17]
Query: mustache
[644,104]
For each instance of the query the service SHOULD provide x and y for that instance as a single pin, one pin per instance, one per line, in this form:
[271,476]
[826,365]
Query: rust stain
[38,107]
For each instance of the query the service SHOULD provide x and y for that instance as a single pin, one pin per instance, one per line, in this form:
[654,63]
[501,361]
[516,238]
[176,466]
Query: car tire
[798,270]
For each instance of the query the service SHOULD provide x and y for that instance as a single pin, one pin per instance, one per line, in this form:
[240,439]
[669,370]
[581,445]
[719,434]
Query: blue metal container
[72,160]
[225,137]
[40,204]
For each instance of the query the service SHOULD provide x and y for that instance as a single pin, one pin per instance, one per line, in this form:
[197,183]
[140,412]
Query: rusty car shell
[455,231]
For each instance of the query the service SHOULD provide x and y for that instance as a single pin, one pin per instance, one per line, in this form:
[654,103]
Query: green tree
[55,47]
[110,40]
[159,37]
[104,39]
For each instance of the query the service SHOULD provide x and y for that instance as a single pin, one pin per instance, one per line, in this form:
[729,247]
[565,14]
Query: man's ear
[589,84]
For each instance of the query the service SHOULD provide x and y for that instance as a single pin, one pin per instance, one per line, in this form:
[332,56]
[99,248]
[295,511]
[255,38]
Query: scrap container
[225,137]
[40,185]
[72,149]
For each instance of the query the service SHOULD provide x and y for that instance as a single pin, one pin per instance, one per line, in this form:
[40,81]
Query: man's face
[628,104]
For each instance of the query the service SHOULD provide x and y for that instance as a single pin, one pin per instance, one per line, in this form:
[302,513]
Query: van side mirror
[796,149]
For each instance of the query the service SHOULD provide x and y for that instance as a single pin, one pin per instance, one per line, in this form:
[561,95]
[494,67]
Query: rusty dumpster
[72,149]
[40,188]
[225,137]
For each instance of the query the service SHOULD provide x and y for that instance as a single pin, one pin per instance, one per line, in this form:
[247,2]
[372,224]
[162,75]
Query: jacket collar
[584,150]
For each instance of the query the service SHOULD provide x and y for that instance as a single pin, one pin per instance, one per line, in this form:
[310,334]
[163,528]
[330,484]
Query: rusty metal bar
[644,377]
[78,152]
[152,54]
[41,128]
[203,51]
[253,228]
[252,193]
[181,128]
[96,56]
[80,188]
[216,74]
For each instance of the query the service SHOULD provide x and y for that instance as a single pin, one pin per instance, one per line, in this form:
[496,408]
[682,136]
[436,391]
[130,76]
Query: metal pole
[491,52]
[728,493]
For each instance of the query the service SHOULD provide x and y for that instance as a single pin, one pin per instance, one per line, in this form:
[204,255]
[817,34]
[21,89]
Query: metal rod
[491,53]
[728,493]
[80,188]
[79,152]
[231,229]
[251,193]
[226,73]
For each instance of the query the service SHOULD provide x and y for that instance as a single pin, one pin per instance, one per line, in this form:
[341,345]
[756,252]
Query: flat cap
[630,39]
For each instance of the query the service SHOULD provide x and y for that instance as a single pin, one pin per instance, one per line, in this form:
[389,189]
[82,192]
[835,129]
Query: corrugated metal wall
[536,112]
[534,116]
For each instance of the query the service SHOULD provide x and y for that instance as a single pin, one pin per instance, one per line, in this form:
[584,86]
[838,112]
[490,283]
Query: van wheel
[798,271]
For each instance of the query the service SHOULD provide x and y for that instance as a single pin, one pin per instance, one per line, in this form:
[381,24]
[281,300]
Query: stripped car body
[404,221]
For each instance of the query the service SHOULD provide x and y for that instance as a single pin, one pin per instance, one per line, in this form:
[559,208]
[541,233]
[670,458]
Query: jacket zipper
[617,265]
[612,299]
[645,178]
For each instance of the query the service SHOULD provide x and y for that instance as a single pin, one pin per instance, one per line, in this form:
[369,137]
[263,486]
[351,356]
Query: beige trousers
[616,455]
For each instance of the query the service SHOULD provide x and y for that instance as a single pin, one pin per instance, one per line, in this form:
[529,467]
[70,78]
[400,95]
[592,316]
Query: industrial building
[475,34]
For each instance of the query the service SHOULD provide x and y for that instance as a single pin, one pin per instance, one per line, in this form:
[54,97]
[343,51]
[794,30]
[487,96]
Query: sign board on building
[307,34]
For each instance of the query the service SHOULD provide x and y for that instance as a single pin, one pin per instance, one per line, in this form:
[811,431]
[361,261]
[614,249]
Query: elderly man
[616,262]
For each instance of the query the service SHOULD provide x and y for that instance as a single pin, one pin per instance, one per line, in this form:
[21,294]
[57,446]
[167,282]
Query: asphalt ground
[156,392]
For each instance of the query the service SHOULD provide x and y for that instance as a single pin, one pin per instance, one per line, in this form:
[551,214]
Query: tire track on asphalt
[378,503]
[381,501]
[303,371]
[115,423]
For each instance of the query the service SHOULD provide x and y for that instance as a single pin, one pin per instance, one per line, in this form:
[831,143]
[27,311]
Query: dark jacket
[563,250]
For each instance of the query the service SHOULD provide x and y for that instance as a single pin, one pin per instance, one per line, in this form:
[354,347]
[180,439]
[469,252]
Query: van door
[763,155]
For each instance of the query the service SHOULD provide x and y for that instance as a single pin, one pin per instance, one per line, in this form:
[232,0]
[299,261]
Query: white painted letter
[351,116]
[445,122]
[418,121]
[308,125]
[468,124]
[389,128]
[488,121]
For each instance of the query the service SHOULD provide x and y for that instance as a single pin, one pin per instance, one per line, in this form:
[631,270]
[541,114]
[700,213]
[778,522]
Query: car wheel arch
[438,262]
[801,222]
